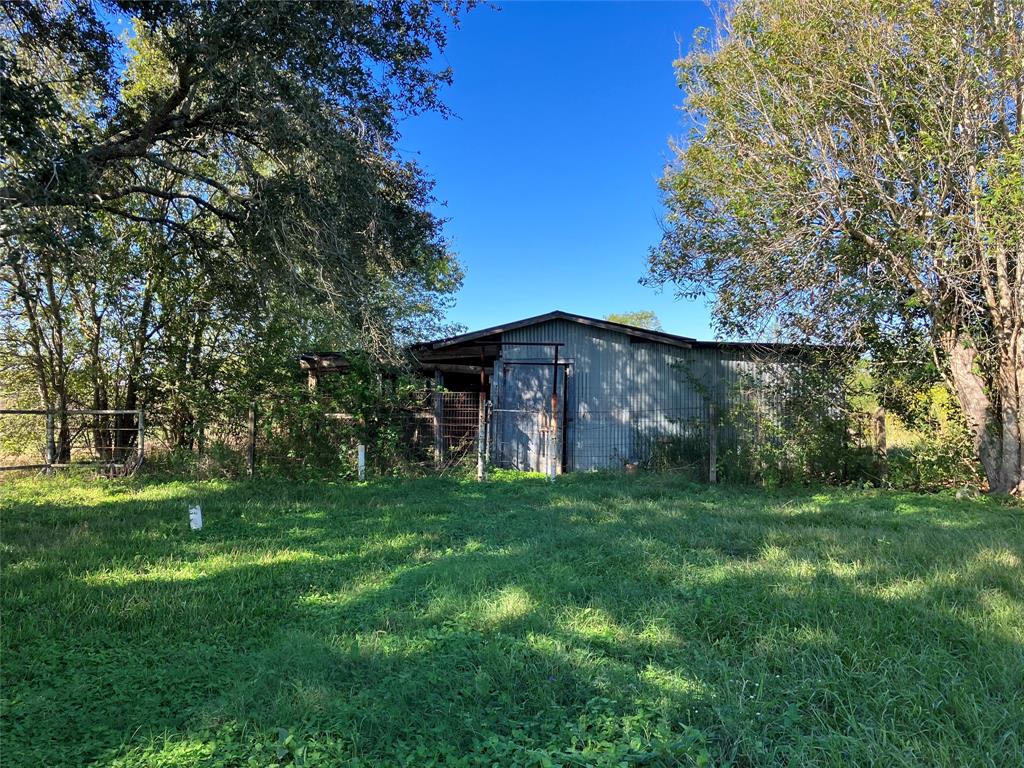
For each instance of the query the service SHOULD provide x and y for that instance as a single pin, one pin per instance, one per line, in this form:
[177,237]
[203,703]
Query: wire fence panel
[112,440]
[456,425]
[436,432]
[520,439]
[655,439]
[587,439]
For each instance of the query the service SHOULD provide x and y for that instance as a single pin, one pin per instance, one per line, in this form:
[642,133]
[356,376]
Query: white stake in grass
[361,461]
[195,517]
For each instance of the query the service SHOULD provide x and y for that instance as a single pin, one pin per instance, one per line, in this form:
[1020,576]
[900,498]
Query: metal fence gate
[458,422]
[543,420]
[112,440]
[528,416]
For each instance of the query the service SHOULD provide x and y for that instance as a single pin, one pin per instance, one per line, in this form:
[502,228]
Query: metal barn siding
[625,396]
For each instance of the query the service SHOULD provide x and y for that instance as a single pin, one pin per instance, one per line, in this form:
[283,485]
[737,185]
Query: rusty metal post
[488,421]
[438,420]
[712,443]
[553,420]
[552,438]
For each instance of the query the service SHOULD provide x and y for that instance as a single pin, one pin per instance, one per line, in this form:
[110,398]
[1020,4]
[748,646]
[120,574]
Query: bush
[367,405]
[792,430]
[936,452]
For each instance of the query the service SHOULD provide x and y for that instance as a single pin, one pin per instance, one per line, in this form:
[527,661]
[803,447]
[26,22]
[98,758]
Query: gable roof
[472,352]
[497,330]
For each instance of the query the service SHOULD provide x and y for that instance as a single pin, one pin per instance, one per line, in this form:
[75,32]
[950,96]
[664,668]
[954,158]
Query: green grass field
[596,621]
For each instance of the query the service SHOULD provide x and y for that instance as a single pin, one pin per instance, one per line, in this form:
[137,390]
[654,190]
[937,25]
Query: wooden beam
[451,368]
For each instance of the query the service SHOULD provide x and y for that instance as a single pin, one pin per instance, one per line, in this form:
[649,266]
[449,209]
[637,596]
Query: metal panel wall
[625,397]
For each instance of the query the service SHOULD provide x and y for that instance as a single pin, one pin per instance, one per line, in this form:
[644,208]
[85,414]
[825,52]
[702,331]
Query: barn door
[521,415]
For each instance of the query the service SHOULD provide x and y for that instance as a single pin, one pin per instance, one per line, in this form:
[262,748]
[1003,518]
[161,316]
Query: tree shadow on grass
[460,619]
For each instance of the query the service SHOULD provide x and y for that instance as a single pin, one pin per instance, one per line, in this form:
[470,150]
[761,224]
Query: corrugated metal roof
[667,338]
[671,339]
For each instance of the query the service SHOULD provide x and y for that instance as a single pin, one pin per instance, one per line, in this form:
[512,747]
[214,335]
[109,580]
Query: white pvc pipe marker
[361,461]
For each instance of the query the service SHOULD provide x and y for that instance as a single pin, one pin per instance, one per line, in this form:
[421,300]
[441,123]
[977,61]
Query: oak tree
[644,318]
[226,173]
[855,175]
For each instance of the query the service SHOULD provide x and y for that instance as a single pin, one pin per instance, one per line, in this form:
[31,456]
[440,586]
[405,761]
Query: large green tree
[226,174]
[855,174]
[643,318]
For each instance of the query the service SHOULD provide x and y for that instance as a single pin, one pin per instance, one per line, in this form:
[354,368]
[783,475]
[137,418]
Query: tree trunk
[63,442]
[126,424]
[995,422]
[1011,419]
[91,321]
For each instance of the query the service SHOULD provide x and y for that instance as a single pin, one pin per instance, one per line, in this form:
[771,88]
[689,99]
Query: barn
[565,392]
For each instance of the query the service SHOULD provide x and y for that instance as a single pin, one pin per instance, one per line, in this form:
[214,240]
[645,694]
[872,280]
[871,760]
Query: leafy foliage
[369,405]
[186,211]
[854,177]
[931,448]
[644,318]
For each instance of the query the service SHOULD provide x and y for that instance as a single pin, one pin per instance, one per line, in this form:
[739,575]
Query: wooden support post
[252,440]
[880,432]
[481,427]
[712,443]
[361,461]
[50,447]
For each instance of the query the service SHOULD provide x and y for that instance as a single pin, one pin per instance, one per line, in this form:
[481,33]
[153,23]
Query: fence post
[252,439]
[553,439]
[712,443]
[361,461]
[50,447]
[438,429]
[881,442]
[878,427]
[481,428]
[488,419]
[142,436]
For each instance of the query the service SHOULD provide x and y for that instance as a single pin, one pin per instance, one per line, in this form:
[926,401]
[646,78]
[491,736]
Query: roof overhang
[324,362]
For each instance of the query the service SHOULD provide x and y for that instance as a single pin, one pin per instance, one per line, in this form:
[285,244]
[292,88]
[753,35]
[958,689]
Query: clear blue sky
[549,172]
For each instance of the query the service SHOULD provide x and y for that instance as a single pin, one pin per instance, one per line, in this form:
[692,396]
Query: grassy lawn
[598,621]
